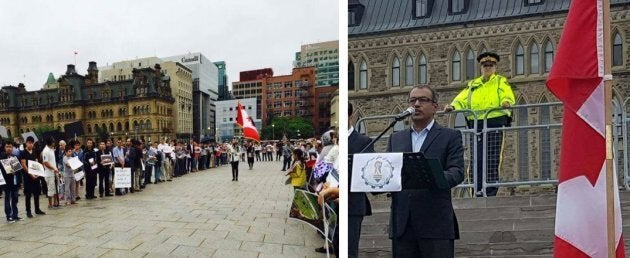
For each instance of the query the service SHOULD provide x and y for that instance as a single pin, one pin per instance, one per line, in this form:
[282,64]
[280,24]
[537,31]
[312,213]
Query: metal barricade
[626,152]
[487,132]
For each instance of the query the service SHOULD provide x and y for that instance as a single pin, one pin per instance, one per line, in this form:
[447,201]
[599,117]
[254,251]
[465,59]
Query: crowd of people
[313,165]
[150,163]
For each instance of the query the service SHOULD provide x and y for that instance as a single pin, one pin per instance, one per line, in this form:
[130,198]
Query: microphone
[406,113]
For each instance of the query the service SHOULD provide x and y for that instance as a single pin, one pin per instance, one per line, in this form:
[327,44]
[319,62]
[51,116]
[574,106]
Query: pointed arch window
[456,67]
[519,65]
[548,56]
[350,76]
[363,76]
[409,71]
[396,72]
[617,50]
[422,70]
[534,57]
[470,64]
[523,143]
[545,142]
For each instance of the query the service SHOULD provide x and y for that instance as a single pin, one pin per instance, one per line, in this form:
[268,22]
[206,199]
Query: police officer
[490,90]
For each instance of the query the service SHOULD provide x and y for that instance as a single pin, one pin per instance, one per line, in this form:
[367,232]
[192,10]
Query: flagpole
[610,185]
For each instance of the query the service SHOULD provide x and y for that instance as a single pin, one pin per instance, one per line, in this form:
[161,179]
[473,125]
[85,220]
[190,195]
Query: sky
[39,37]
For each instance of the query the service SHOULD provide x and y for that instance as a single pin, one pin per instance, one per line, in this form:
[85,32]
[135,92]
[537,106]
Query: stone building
[140,106]
[181,81]
[396,44]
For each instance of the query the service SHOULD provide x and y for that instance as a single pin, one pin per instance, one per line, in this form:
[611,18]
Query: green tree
[281,126]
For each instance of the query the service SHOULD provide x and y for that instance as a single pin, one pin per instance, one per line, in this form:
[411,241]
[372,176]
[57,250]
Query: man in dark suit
[358,203]
[422,222]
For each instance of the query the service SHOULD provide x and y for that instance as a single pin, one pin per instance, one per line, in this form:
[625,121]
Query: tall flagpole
[610,183]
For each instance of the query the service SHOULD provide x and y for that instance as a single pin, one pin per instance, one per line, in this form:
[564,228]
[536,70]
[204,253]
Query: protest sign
[75,163]
[107,159]
[122,177]
[36,168]
[306,209]
[79,176]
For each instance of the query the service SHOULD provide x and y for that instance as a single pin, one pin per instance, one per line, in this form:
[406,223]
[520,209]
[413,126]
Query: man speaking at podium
[422,222]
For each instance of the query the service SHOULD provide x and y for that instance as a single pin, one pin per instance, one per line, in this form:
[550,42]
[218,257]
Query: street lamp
[298,131]
[273,130]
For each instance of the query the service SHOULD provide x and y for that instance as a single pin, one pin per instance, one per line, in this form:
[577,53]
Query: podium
[418,172]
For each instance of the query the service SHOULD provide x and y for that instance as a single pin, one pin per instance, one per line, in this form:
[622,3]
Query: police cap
[488,57]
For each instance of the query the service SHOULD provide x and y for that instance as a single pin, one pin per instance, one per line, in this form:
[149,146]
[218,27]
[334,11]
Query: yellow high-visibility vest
[480,96]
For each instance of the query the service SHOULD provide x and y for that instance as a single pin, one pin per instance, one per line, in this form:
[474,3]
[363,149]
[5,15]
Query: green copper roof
[51,79]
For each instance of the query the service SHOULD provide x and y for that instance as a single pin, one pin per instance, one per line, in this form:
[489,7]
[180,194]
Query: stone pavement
[202,214]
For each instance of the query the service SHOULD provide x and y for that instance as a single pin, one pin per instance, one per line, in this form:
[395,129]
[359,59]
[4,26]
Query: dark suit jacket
[429,212]
[358,203]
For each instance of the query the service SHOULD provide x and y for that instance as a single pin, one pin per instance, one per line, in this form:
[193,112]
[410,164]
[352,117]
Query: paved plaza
[202,214]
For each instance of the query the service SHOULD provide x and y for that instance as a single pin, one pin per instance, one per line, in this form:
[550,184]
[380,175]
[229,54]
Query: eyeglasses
[422,100]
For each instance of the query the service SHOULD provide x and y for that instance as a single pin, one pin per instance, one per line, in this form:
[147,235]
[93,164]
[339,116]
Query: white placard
[78,176]
[3,132]
[377,172]
[6,164]
[36,168]
[75,163]
[2,182]
[15,164]
[122,177]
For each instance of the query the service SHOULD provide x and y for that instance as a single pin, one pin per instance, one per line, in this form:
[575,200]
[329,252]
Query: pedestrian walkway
[202,214]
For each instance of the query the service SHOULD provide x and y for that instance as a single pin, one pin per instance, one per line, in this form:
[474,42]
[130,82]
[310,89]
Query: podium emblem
[377,172]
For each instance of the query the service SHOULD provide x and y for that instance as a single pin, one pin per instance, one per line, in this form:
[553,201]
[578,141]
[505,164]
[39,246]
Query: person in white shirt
[50,166]
[233,157]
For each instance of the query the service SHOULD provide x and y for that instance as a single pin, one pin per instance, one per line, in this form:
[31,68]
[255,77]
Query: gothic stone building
[140,107]
[396,44]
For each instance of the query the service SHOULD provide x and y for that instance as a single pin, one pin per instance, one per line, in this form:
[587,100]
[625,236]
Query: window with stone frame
[422,70]
[421,8]
[617,50]
[519,60]
[534,58]
[456,67]
[363,76]
[395,72]
[470,64]
[409,71]
[458,6]
[350,75]
[548,56]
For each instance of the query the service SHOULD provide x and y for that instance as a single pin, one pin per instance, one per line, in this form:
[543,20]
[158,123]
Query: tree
[40,130]
[281,126]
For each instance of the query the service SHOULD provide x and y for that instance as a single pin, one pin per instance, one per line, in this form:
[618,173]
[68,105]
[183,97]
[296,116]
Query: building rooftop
[374,16]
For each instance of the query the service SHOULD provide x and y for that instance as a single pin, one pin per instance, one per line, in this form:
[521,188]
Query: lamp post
[298,133]
[273,131]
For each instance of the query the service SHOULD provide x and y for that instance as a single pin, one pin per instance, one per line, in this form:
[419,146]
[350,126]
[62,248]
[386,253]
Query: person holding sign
[68,177]
[103,168]
[90,166]
[10,188]
[32,187]
[423,220]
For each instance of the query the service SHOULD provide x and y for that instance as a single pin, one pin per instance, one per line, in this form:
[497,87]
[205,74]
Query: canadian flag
[246,123]
[577,79]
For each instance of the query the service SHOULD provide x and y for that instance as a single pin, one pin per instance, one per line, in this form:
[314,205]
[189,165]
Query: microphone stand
[391,125]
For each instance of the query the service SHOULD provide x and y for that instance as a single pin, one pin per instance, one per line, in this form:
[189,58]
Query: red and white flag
[246,123]
[577,78]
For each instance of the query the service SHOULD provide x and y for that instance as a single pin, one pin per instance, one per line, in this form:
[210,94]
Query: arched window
[533,59]
[148,124]
[141,125]
[396,72]
[456,67]
[548,56]
[363,76]
[111,127]
[519,64]
[409,71]
[126,126]
[350,76]
[118,127]
[617,50]
[545,142]
[523,142]
[422,70]
[470,65]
